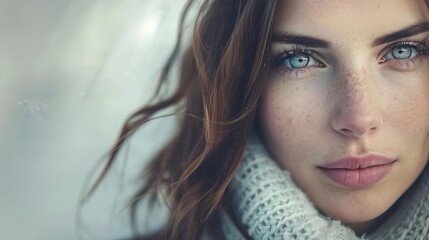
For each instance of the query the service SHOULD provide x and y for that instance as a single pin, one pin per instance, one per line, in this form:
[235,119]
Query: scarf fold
[269,205]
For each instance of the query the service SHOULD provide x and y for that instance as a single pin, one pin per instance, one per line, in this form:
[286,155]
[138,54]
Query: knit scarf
[269,205]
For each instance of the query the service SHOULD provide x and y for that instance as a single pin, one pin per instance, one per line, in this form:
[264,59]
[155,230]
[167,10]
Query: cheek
[290,125]
[284,115]
[410,108]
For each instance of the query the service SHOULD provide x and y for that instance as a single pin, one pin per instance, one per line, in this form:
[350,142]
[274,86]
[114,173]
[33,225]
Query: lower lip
[358,178]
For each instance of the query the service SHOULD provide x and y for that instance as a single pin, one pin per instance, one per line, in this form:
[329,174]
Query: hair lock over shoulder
[221,80]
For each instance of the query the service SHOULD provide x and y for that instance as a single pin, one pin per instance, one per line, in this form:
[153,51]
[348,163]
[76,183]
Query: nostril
[373,129]
[356,133]
[346,131]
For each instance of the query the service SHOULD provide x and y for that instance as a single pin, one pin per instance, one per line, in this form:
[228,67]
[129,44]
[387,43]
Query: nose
[357,112]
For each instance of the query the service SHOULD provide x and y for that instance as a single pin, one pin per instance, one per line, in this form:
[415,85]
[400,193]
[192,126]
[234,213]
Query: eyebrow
[407,32]
[290,38]
[300,40]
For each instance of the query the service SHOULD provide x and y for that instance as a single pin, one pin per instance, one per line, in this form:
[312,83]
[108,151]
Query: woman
[300,119]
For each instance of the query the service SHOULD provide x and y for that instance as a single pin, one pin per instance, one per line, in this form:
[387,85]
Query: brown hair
[221,81]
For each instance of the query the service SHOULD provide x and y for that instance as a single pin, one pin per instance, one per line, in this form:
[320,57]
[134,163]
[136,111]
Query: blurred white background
[70,73]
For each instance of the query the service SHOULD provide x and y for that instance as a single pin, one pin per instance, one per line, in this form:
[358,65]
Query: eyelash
[420,48]
[401,64]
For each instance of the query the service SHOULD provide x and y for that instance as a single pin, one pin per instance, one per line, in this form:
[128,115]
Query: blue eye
[297,60]
[404,51]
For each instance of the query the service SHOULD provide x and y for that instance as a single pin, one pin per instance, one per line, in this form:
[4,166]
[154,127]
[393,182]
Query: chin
[348,217]
[360,209]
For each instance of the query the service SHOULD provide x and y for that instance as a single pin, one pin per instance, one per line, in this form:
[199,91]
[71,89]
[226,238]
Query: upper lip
[358,162]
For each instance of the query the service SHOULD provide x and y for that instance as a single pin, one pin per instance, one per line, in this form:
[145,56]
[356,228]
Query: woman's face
[346,107]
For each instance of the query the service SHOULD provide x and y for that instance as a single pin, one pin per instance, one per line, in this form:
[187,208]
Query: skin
[355,104]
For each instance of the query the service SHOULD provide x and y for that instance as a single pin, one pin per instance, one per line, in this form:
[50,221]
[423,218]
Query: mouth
[358,172]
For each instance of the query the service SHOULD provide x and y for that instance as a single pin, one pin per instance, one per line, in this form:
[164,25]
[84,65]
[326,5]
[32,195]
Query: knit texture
[270,205]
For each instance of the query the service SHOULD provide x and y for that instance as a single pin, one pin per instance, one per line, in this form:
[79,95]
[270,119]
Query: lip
[358,172]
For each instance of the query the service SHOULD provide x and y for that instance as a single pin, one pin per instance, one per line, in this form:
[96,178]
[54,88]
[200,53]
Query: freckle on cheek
[285,124]
[276,121]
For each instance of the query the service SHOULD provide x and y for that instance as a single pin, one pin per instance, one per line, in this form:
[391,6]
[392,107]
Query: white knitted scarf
[269,205]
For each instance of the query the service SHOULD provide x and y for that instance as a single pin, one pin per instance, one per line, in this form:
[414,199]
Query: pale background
[71,71]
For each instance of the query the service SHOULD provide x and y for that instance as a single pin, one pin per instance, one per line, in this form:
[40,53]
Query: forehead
[330,19]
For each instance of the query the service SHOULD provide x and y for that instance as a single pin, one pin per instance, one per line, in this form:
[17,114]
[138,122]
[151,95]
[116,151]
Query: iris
[299,60]
[402,52]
